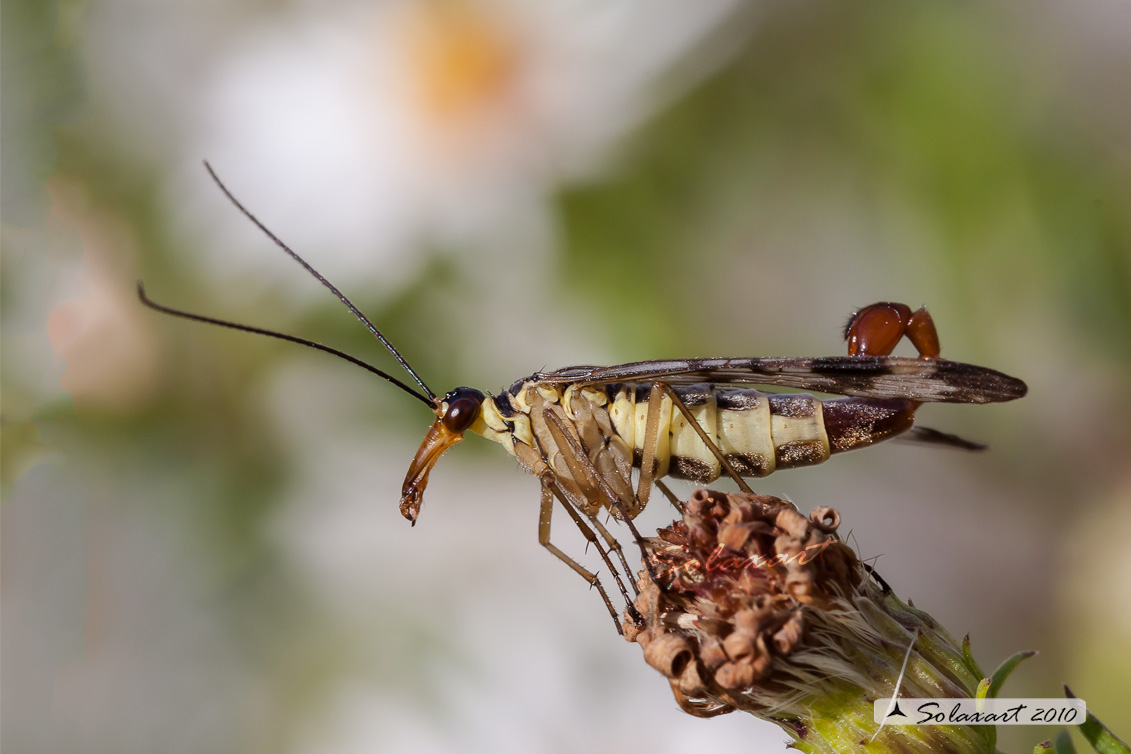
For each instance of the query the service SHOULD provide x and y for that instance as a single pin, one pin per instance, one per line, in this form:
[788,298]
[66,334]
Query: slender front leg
[670,496]
[614,546]
[584,474]
[544,513]
[590,480]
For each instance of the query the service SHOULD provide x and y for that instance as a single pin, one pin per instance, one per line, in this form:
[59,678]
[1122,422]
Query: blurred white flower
[372,132]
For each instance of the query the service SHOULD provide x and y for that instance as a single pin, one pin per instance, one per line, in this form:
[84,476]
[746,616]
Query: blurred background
[201,544]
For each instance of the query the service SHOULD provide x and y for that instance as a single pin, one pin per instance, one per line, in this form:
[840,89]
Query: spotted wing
[926,380]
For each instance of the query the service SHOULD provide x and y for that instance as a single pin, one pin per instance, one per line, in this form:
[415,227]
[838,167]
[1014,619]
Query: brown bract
[739,579]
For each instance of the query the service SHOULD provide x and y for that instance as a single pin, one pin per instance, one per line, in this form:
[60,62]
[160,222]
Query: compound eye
[463,409]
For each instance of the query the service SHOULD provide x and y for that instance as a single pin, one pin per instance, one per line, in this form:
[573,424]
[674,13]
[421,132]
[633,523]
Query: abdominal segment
[758,433]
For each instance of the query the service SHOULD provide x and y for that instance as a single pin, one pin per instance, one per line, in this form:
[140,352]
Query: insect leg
[614,546]
[879,579]
[550,490]
[581,468]
[711,446]
[648,449]
[587,477]
[647,472]
[670,496]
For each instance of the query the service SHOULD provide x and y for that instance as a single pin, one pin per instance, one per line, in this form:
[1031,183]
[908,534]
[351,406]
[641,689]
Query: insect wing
[925,380]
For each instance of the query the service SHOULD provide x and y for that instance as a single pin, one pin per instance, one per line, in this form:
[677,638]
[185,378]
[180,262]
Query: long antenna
[341,297]
[281,336]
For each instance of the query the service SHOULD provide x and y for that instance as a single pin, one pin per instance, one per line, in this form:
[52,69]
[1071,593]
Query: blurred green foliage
[922,112]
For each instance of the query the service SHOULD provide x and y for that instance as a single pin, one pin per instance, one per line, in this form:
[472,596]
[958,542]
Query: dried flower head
[755,607]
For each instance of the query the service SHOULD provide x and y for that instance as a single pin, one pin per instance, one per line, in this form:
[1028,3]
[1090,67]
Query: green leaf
[968,656]
[1004,670]
[1098,735]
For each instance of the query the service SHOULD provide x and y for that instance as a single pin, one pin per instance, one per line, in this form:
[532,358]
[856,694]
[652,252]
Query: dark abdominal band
[859,422]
